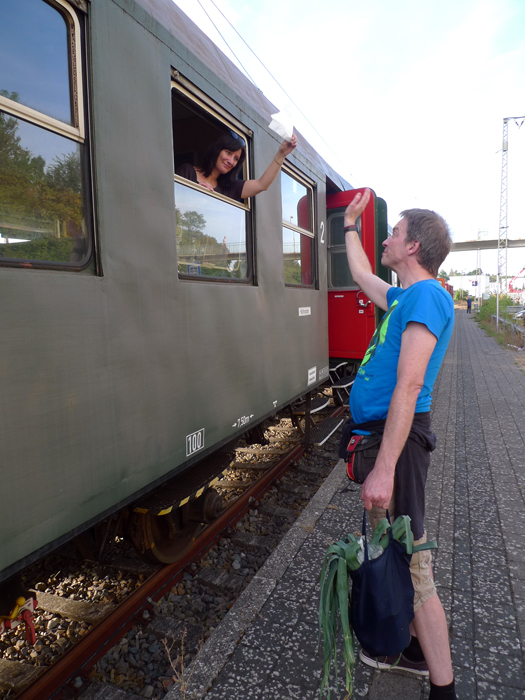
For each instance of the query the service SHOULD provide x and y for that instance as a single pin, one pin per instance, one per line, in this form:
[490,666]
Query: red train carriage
[351,315]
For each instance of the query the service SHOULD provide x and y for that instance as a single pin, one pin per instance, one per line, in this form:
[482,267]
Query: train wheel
[169,537]
[168,541]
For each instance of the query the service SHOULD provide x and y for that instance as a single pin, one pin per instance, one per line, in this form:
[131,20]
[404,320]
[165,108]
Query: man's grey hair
[433,234]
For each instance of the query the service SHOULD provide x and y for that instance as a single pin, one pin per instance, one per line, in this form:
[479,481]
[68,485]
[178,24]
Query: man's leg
[429,624]
[432,632]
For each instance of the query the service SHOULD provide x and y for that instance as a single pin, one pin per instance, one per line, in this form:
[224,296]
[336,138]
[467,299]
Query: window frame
[311,188]
[76,132]
[338,249]
[206,104]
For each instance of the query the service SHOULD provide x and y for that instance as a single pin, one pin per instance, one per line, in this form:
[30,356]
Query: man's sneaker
[398,661]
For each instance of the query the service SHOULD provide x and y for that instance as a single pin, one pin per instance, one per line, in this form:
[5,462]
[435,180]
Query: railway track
[124,639]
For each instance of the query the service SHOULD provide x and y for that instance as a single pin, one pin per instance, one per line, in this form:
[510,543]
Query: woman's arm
[253,187]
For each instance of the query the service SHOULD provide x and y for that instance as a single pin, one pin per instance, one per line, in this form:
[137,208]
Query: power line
[233,52]
[271,76]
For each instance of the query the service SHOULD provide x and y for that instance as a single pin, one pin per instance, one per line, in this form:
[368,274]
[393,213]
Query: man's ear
[413,247]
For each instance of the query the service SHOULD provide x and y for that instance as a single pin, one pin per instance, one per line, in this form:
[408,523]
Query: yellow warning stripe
[199,493]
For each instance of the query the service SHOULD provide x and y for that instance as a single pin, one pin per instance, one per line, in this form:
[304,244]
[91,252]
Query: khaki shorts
[420,564]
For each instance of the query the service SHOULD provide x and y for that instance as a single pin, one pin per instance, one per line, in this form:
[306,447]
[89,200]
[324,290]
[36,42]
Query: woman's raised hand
[288,146]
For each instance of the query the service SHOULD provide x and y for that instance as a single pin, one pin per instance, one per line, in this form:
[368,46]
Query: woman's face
[227,160]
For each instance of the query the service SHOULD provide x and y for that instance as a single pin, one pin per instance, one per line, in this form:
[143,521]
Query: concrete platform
[266,647]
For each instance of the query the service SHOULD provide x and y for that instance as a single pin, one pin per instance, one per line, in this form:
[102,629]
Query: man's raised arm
[374,287]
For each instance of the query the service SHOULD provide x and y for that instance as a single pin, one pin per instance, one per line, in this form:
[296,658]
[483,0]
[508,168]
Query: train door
[351,315]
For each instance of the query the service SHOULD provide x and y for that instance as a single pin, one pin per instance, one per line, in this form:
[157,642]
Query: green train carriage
[145,323]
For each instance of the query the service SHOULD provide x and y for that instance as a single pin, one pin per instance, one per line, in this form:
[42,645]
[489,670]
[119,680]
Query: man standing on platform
[392,394]
[469,304]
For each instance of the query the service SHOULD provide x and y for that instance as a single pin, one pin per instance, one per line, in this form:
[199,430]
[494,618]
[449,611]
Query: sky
[406,97]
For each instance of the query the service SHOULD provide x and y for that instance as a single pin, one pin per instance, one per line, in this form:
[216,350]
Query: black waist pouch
[361,455]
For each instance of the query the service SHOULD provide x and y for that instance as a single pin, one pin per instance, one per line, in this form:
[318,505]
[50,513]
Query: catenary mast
[503,208]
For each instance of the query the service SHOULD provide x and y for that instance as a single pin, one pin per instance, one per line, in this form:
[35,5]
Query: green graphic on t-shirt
[379,336]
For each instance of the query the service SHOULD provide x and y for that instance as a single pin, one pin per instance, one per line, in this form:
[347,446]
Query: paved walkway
[266,647]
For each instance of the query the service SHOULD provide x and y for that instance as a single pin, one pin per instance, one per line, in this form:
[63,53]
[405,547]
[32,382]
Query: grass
[181,675]
[504,336]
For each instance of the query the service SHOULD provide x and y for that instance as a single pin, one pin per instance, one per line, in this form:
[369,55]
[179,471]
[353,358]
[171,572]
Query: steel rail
[88,650]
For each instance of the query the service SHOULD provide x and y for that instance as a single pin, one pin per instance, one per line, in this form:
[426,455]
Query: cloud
[407,97]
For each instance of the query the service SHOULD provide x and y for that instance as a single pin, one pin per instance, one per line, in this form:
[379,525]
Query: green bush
[488,307]
[45,248]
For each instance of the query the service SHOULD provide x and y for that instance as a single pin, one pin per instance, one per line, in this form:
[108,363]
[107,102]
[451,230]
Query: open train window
[298,229]
[42,136]
[213,228]
[339,275]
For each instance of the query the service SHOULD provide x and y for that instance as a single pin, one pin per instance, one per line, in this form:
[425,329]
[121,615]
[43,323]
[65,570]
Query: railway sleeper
[253,466]
[313,469]
[301,492]
[105,691]
[175,631]
[15,676]
[277,512]
[258,544]
[220,580]
[77,610]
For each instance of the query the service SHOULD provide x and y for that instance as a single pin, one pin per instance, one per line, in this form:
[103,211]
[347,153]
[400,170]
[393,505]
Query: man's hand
[356,207]
[377,489]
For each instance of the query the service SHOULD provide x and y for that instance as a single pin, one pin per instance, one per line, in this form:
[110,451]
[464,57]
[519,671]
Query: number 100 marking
[194,442]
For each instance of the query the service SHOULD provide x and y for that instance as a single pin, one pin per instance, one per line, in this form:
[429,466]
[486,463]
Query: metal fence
[513,327]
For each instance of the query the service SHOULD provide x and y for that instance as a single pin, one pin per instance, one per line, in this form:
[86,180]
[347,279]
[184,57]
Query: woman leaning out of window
[224,160]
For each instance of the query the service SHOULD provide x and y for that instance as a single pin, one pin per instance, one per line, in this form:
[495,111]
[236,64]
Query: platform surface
[266,647]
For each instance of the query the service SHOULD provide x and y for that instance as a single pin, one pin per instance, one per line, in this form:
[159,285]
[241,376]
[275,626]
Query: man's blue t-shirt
[425,302]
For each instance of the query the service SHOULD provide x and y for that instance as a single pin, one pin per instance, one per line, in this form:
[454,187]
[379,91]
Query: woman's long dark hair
[231,142]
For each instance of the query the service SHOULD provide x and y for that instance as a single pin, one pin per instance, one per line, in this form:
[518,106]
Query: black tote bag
[382,600]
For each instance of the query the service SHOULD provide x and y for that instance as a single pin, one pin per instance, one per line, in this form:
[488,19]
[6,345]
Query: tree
[65,173]
[443,275]
[193,222]
[36,202]
[12,154]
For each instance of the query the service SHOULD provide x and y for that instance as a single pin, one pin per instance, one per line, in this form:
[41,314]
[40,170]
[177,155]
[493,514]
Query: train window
[339,275]
[212,227]
[211,236]
[298,227]
[42,141]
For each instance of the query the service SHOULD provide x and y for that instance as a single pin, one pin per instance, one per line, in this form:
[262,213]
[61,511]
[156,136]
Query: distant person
[223,162]
[469,305]
[392,395]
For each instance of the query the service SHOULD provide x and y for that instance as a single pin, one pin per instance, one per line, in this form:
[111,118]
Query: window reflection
[211,235]
[298,257]
[34,57]
[339,272]
[295,202]
[41,213]
[340,275]
[336,234]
